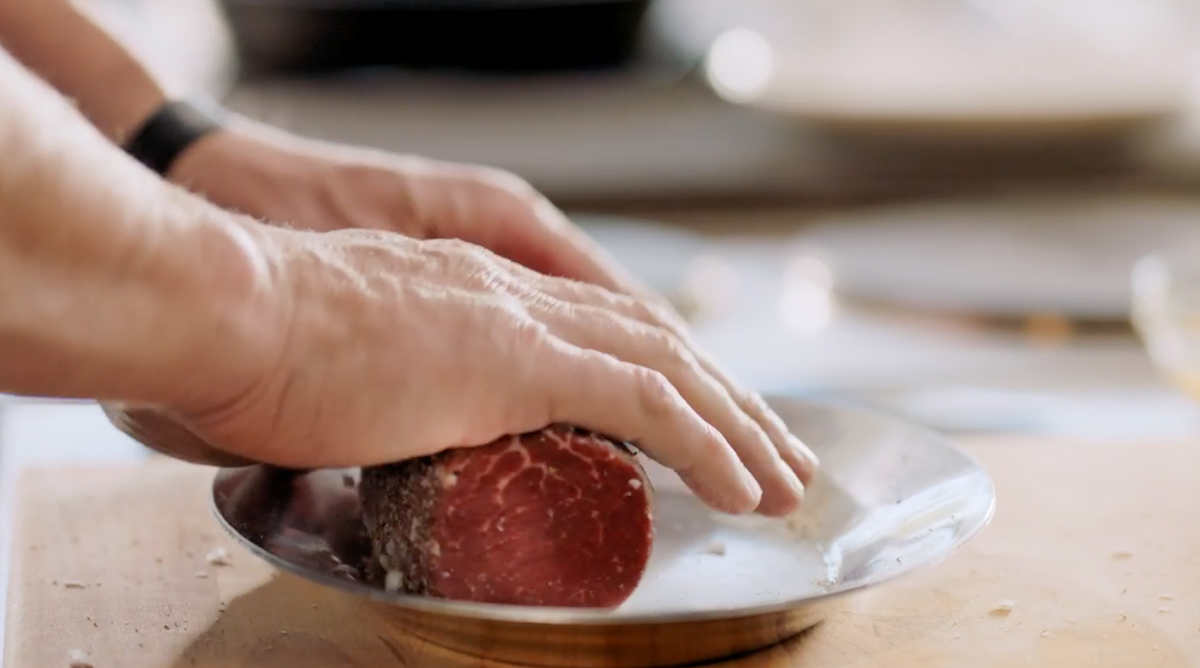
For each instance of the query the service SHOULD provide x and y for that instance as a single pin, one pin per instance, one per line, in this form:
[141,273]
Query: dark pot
[478,35]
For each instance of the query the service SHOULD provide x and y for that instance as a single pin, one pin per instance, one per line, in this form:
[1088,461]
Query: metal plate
[890,497]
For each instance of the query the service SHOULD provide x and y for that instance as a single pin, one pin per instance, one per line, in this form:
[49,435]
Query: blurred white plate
[954,67]
[1006,257]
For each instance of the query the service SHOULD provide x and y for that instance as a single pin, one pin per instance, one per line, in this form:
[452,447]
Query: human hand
[396,348]
[318,186]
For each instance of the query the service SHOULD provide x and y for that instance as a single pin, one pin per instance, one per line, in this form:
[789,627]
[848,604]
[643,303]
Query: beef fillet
[558,517]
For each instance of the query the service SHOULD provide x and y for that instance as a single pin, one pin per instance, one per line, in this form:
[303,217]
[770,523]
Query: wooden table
[1094,545]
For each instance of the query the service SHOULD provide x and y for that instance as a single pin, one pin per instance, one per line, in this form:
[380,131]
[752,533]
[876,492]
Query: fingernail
[722,500]
[793,479]
[750,490]
[750,486]
[782,504]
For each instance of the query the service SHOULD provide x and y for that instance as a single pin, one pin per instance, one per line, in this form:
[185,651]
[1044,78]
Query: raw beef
[558,517]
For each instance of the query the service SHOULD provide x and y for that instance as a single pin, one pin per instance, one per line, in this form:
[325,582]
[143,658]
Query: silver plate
[890,497]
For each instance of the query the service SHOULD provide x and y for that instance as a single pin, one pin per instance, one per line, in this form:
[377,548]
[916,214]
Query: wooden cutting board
[1096,548]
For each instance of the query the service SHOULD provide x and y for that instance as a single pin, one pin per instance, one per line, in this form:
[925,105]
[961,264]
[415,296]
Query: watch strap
[170,130]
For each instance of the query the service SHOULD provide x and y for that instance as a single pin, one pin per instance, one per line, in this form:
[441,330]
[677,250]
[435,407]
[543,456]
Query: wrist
[170,130]
[153,298]
[182,318]
[225,167]
[135,97]
[224,273]
[255,170]
[114,285]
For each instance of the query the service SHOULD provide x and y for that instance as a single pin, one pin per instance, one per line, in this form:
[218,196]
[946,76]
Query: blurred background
[931,207]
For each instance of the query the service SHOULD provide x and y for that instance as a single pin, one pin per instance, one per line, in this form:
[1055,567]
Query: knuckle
[667,350]
[753,403]
[539,302]
[504,181]
[445,249]
[635,307]
[517,337]
[533,356]
[649,312]
[481,256]
[362,238]
[527,334]
[468,261]
[756,407]
[668,347]
[664,315]
[655,394]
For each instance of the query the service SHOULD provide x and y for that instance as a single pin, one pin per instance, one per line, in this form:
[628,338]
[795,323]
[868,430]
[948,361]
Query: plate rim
[558,616]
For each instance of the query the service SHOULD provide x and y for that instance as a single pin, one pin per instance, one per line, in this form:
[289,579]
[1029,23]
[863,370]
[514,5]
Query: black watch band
[170,130]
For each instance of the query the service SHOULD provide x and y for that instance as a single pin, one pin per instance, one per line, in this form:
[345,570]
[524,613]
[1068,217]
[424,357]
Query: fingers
[596,391]
[519,223]
[591,318]
[799,457]
[654,348]
[802,460]
[553,245]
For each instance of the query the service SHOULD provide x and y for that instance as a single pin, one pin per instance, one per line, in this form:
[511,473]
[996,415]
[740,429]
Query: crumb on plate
[218,557]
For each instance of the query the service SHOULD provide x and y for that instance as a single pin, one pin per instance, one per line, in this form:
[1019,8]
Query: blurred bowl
[1165,311]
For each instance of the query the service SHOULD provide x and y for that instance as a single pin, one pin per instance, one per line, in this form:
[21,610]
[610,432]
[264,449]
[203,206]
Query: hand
[316,186]
[398,348]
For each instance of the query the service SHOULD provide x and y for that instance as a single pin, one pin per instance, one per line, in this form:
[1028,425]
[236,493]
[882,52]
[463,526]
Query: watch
[170,130]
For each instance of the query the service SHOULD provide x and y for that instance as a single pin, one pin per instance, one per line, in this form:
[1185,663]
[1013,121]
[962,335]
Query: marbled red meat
[558,517]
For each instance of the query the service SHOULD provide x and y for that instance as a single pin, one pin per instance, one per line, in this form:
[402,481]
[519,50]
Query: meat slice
[558,517]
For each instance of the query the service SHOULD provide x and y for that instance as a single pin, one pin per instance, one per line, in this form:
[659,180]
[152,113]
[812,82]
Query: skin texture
[462,352]
[320,186]
[97,257]
[491,315]
[311,184]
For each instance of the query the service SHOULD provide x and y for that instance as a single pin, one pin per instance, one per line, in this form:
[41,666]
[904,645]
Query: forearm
[60,42]
[113,284]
